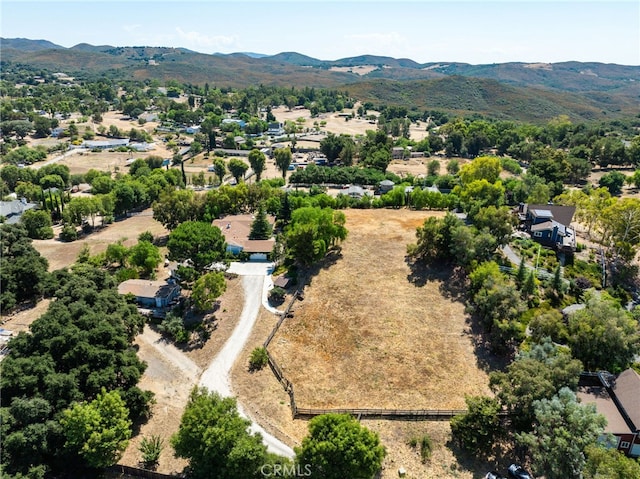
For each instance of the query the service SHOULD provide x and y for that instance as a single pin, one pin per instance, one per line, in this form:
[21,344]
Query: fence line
[297,413]
[137,472]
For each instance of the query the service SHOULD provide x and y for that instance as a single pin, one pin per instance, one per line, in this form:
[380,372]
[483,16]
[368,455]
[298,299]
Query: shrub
[424,444]
[277,295]
[259,359]
[69,233]
[151,449]
[146,236]
[173,326]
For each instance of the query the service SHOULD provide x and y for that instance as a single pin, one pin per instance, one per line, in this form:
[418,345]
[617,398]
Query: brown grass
[61,254]
[367,337]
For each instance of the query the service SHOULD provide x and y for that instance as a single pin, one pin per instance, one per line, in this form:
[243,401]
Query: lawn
[366,336]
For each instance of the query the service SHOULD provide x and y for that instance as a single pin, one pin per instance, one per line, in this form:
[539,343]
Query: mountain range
[581,90]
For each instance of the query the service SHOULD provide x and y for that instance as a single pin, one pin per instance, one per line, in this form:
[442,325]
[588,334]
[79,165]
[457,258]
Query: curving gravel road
[216,376]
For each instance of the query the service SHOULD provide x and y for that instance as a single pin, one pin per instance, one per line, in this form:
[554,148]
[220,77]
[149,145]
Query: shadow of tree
[331,258]
[453,279]
[454,285]
[498,459]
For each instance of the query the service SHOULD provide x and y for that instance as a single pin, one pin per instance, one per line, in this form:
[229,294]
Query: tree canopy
[98,431]
[562,430]
[312,231]
[197,241]
[338,447]
[78,348]
[216,441]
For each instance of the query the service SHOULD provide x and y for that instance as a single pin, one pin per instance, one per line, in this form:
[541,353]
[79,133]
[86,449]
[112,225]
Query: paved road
[216,376]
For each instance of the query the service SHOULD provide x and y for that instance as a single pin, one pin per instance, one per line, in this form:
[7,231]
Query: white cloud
[200,41]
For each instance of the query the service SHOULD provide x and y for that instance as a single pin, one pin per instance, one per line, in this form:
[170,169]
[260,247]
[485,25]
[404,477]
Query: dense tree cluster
[23,272]
[80,348]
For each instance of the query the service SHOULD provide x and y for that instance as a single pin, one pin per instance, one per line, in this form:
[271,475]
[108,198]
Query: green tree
[482,168]
[609,463]
[215,440]
[453,167]
[220,169]
[562,430]
[238,168]
[98,431]
[433,168]
[478,428]
[331,146]
[116,253]
[175,207]
[207,289]
[283,159]
[257,160]
[261,229]
[146,256]
[338,447]
[537,374]
[612,181]
[313,231]
[603,335]
[38,224]
[23,271]
[498,221]
[200,242]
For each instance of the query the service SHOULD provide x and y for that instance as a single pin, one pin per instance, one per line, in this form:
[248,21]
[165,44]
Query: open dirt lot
[347,358]
[334,123]
[60,254]
[367,336]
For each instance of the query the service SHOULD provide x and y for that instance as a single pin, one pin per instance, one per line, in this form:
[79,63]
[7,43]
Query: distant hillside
[464,95]
[298,59]
[375,60]
[510,90]
[27,45]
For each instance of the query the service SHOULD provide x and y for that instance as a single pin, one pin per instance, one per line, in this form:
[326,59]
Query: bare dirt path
[216,377]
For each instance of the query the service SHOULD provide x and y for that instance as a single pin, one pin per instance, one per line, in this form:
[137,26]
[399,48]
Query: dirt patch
[368,337]
[224,320]
[260,393]
[61,254]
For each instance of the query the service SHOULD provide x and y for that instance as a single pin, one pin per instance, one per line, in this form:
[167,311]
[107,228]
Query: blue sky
[475,32]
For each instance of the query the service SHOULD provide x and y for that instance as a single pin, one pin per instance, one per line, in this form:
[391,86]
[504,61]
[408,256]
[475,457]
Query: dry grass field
[366,336]
[60,254]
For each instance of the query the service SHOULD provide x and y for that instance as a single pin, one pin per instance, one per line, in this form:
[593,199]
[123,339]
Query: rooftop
[144,288]
[236,230]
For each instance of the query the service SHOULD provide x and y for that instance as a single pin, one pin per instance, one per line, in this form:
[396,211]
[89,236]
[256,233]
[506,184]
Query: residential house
[105,144]
[618,400]
[275,129]
[154,295]
[550,225]
[192,130]
[355,191]
[386,186]
[236,230]
[399,153]
[12,210]
[237,121]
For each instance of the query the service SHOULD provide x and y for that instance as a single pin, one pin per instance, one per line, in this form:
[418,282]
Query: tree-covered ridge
[79,348]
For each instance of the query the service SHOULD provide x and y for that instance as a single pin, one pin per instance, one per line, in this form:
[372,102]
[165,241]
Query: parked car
[517,472]
[494,475]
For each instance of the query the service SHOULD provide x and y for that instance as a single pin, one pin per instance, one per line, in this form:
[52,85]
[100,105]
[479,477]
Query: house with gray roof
[550,225]
[12,210]
[154,295]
